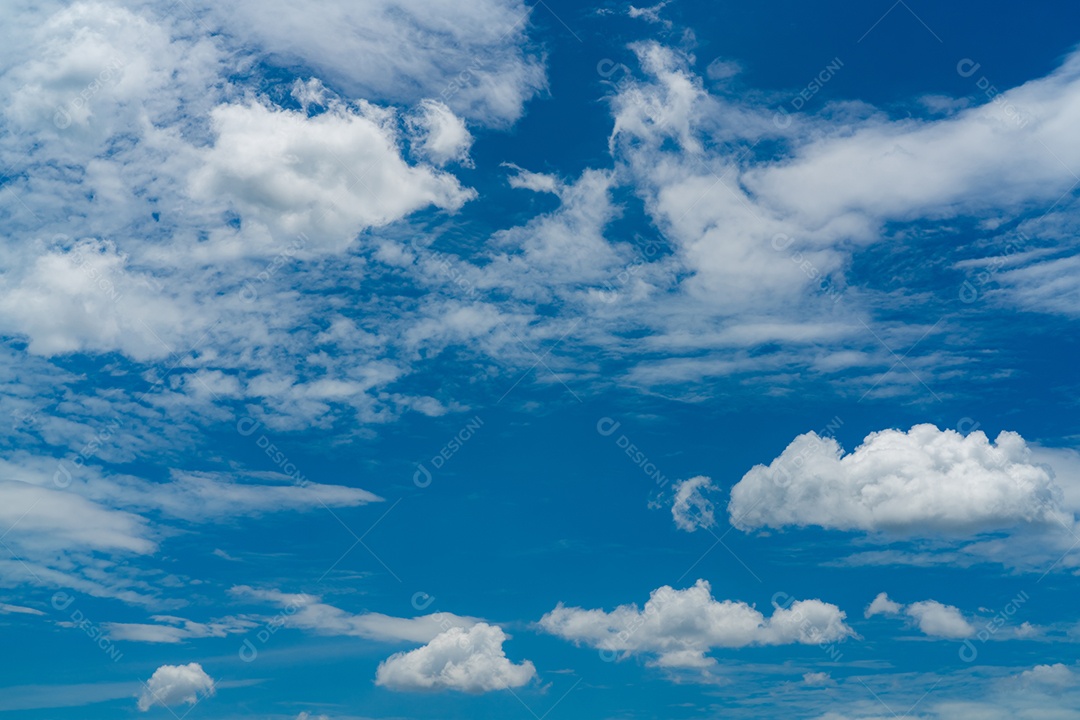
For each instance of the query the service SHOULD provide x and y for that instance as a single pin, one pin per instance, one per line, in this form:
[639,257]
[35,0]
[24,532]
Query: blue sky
[419,359]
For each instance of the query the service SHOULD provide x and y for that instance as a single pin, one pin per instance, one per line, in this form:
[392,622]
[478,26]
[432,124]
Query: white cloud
[680,626]
[468,55]
[921,483]
[121,517]
[537,182]
[930,616]
[440,134]
[201,496]
[1057,676]
[938,620]
[762,241]
[39,520]
[882,605]
[172,685]
[690,507]
[306,612]
[997,693]
[84,298]
[326,177]
[6,609]
[649,14]
[721,69]
[818,679]
[467,660]
[563,256]
[175,629]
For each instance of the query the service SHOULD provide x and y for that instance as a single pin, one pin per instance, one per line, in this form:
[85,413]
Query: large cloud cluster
[919,483]
[467,660]
[680,626]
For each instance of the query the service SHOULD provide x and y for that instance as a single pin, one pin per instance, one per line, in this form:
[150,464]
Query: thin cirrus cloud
[676,628]
[473,57]
[308,612]
[122,517]
[169,629]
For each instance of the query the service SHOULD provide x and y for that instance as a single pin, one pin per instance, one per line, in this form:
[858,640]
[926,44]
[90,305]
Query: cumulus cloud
[440,135]
[172,685]
[882,605]
[679,627]
[690,507]
[930,616]
[326,177]
[80,296]
[467,660]
[938,620]
[920,483]
[1057,676]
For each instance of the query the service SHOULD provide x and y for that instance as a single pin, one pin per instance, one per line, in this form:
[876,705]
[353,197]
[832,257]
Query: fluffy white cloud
[681,626]
[930,616]
[1057,676]
[938,620]
[882,605]
[326,177]
[690,507]
[172,685]
[81,296]
[198,196]
[440,134]
[919,483]
[537,182]
[467,660]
